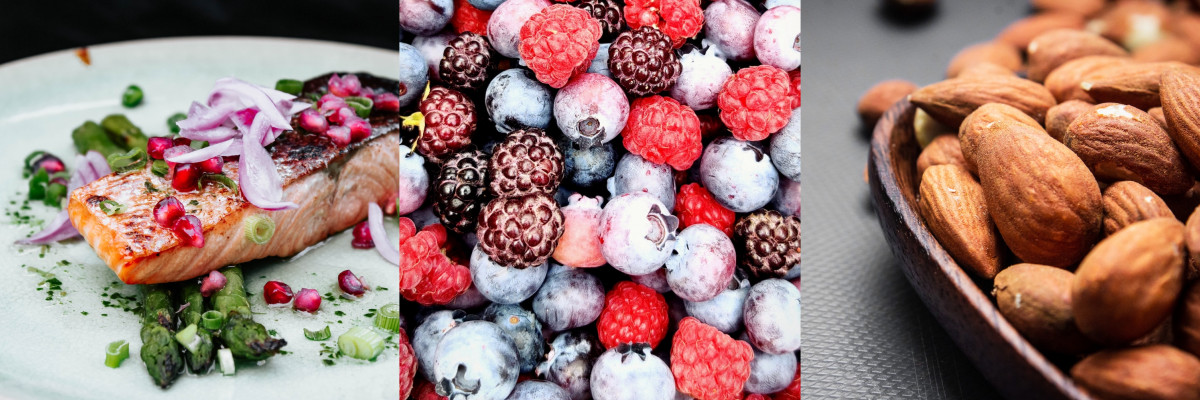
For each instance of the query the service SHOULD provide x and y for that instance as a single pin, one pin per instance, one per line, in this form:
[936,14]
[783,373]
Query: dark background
[866,333]
[30,27]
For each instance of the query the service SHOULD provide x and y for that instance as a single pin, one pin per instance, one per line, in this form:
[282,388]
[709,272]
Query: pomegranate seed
[190,231]
[312,121]
[329,103]
[344,86]
[212,283]
[341,115]
[181,141]
[359,128]
[50,163]
[387,101]
[350,284]
[367,93]
[308,300]
[212,166]
[157,145]
[187,178]
[276,292]
[340,135]
[175,151]
[362,237]
[167,211]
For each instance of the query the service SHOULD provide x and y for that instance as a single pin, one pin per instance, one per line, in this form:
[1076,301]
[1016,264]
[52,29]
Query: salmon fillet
[331,185]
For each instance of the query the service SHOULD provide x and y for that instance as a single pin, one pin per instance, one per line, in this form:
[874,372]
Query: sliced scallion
[188,338]
[223,181]
[29,162]
[115,353]
[173,120]
[320,335]
[388,317]
[37,185]
[361,105]
[225,358]
[160,168]
[361,343]
[134,159]
[289,86]
[132,96]
[54,194]
[259,228]
[212,320]
[111,207]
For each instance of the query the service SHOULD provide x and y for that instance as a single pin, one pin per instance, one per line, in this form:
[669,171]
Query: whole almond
[1126,202]
[1170,48]
[944,149]
[879,98]
[1085,8]
[1134,24]
[1186,26]
[1181,107]
[1187,319]
[1155,372]
[981,121]
[1064,82]
[1159,117]
[1054,48]
[1002,54]
[1128,284]
[954,210]
[985,68]
[1119,142]
[1192,236]
[1036,300]
[1020,32]
[1135,84]
[1044,201]
[950,101]
[1060,117]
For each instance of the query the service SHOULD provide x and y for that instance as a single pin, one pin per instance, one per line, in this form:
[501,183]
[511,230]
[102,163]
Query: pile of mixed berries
[600,199]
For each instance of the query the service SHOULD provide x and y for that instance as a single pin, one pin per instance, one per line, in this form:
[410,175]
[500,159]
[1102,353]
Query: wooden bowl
[1012,364]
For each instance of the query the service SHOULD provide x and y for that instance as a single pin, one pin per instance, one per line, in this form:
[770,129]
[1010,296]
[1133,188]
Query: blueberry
[785,148]
[432,48]
[503,284]
[600,63]
[739,174]
[777,37]
[414,181]
[656,280]
[723,312]
[425,17]
[635,174]
[588,167]
[515,100]
[729,26]
[569,362]
[504,26]
[770,373]
[637,233]
[570,298]
[787,200]
[591,109]
[414,74]
[776,3]
[772,316]
[469,299]
[702,263]
[538,390]
[475,360]
[425,339]
[485,5]
[701,78]
[523,327]
[630,372]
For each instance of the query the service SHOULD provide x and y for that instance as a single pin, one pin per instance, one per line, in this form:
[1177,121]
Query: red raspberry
[792,392]
[679,19]
[695,205]
[427,276]
[708,364]
[632,314]
[559,42]
[756,396]
[408,365]
[425,391]
[663,131]
[467,18]
[750,102]
[795,76]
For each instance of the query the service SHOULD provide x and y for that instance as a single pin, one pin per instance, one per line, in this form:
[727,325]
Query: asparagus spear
[123,132]
[91,136]
[160,352]
[244,337]
[200,360]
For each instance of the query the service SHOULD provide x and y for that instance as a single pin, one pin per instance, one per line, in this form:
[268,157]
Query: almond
[1186,26]
[1085,8]
[1181,107]
[1044,201]
[1020,32]
[1036,300]
[1004,55]
[1064,81]
[985,68]
[1193,244]
[1187,317]
[1143,373]
[981,121]
[1119,142]
[1134,24]
[1054,48]
[1126,202]
[953,206]
[944,149]
[1159,117]
[1170,48]
[950,101]
[879,98]
[1135,84]
[1128,284]
[1060,117]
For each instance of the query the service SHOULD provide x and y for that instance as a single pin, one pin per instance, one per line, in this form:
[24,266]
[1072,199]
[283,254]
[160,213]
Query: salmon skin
[331,185]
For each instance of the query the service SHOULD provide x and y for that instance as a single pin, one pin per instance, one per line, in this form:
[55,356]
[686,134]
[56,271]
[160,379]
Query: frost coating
[702,263]
[591,109]
[475,360]
[635,174]
[739,174]
[700,79]
[638,233]
[570,298]
[502,284]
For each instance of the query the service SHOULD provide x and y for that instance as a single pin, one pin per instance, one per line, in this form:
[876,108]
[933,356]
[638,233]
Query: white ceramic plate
[48,348]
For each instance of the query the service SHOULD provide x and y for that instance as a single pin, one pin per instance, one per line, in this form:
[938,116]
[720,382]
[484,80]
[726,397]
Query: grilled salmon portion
[331,185]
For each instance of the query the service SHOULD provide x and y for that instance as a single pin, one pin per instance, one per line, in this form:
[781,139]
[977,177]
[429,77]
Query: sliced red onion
[390,251]
[251,95]
[217,134]
[257,177]
[58,229]
[88,168]
[194,156]
[201,117]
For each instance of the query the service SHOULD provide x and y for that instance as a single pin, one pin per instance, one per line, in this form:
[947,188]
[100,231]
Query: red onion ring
[390,251]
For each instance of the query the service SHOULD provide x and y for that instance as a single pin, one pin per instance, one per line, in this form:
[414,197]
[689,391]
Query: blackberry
[768,244]
[520,232]
[447,123]
[460,190]
[526,162]
[465,62]
[608,12]
[642,61]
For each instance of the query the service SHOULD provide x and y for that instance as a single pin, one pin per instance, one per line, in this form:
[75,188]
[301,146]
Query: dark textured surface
[866,333]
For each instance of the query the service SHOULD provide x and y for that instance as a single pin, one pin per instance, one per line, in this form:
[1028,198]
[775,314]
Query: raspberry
[426,391]
[465,61]
[768,244]
[426,275]
[663,132]
[755,396]
[679,19]
[708,364]
[526,162]
[695,205]
[750,102]
[447,119]
[520,232]
[608,12]
[467,18]
[642,62]
[559,42]
[632,314]
[408,365]
[795,76]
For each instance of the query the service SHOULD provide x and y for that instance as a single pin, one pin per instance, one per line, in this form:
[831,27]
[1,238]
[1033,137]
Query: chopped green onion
[289,86]
[188,338]
[361,105]
[173,120]
[212,320]
[361,343]
[160,168]
[259,228]
[225,358]
[115,353]
[111,207]
[318,335]
[29,162]
[132,96]
[54,194]
[221,180]
[388,317]
[134,159]
[37,185]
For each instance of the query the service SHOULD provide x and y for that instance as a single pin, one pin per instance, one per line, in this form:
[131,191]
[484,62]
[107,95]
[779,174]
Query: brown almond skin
[1181,107]
[1020,32]
[1159,117]
[1140,373]
[985,68]
[1085,8]
[1063,82]
[1128,284]
[1060,117]
[879,98]
[1126,202]
[1036,300]
[1169,48]
[980,120]
[950,101]
[1002,54]
[1044,201]
[954,210]
[1186,26]
[1192,238]
[1187,319]
[944,149]
[1119,142]
[1054,48]
[1135,84]
[1118,23]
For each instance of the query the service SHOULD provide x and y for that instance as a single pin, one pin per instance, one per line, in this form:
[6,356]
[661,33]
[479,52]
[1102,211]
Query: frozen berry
[449,120]
[432,48]
[643,62]
[679,19]
[587,167]
[751,105]
[579,245]
[475,360]
[408,364]
[523,327]
[663,132]
[502,284]
[591,109]
[426,337]
[723,312]
[570,298]
[768,244]
[526,162]
[630,372]
[504,28]
[425,17]
[516,100]
[785,148]
[695,205]
[739,174]
[787,201]
[486,5]
[538,390]
[637,233]
[559,42]
[632,314]
[770,373]
[702,264]
[569,362]
[520,232]
[607,12]
[708,364]
[460,190]
[729,26]
[777,38]
[467,18]
[636,175]
[414,182]
[427,276]
[772,316]
[701,78]
[465,62]
[656,280]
